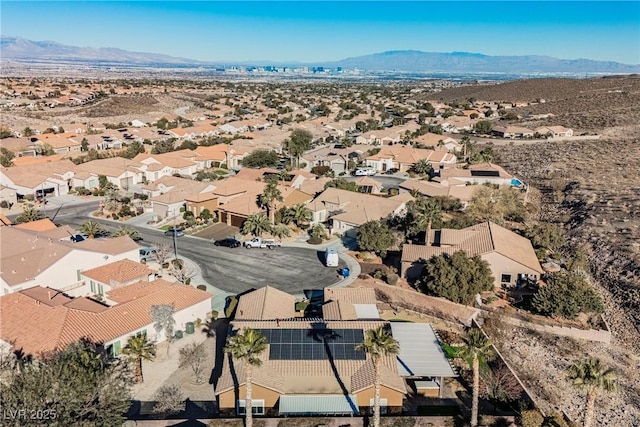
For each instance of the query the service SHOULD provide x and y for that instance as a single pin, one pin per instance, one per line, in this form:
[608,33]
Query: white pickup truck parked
[258,242]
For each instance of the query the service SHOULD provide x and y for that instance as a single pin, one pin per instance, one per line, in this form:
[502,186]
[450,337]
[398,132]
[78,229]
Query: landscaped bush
[531,418]
[214,314]
[202,287]
[392,279]
[232,303]
[315,240]
[4,204]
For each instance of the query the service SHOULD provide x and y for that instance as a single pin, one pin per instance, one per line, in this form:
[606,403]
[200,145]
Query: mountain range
[16,48]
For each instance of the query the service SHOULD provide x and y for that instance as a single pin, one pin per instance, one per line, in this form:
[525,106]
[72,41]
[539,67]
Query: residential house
[433,140]
[41,320]
[222,155]
[345,211]
[311,365]
[181,162]
[511,257]
[457,190]
[481,173]
[194,132]
[403,157]
[121,172]
[59,143]
[369,185]
[512,132]
[335,156]
[379,137]
[555,131]
[49,258]
[42,179]
[116,275]
[170,193]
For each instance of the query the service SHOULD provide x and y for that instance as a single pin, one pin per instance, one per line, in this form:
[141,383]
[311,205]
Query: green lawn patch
[166,227]
[450,351]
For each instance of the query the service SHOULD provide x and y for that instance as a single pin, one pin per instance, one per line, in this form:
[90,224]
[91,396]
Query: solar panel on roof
[309,344]
[485,173]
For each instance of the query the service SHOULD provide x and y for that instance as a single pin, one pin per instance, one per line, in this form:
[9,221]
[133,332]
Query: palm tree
[138,348]
[247,345]
[256,224]
[476,347]
[270,195]
[300,214]
[378,343]
[424,211]
[422,167]
[127,231]
[590,375]
[92,229]
[281,230]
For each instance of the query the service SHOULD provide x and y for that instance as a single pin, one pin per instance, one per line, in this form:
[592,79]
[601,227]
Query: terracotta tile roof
[39,225]
[266,303]
[112,246]
[479,239]
[136,290]
[338,310]
[351,295]
[35,327]
[435,189]
[459,172]
[310,376]
[357,208]
[408,155]
[120,272]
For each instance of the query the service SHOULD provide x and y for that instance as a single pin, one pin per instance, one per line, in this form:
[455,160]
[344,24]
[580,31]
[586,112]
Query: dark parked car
[392,171]
[229,242]
[178,231]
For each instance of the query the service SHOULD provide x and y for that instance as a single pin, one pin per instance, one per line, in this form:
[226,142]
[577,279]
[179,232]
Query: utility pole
[175,241]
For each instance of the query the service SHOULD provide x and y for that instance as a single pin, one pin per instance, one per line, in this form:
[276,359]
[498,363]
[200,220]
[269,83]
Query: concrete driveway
[218,231]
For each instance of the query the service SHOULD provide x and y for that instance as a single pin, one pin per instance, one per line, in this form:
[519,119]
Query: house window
[257,406]
[93,287]
[383,405]
[506,278]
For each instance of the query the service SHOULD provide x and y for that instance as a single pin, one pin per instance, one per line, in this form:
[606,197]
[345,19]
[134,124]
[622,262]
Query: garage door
[237,221]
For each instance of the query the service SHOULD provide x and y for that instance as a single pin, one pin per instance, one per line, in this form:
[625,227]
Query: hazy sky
[310,31]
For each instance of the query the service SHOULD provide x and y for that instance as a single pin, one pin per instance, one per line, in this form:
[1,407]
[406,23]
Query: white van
[331,257]
[365,172]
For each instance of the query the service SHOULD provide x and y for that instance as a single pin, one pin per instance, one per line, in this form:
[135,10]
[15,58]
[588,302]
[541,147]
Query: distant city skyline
[316,31]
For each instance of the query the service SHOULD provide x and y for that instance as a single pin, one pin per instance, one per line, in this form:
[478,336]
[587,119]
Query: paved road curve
[234,270]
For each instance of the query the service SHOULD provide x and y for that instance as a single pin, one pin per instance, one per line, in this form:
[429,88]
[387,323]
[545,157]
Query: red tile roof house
[48,258]
[116,275]
[511,257]
[40,320]
[121,172]
[304,373]
[403,157]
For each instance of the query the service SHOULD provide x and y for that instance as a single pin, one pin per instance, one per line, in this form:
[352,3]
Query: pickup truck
[258,242]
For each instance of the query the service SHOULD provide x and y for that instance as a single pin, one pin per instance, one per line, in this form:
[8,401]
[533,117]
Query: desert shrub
[202,287]
[214,314]
[531,418]
[314,240]
[232,303]
[320,170]
[567,294]
[392,279]
[4,204]
[115,216]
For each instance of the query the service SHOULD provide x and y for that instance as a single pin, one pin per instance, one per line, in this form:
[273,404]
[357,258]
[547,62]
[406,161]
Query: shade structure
[420,352]
[318,404]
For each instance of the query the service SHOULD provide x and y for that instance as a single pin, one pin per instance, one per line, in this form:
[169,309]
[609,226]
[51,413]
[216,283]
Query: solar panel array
[314,344]
[485,173]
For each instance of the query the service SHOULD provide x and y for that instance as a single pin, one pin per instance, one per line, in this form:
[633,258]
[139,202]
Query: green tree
[476,348]
[206,215]
[29,214]
[378,343]
[84,144]
[6,157]
[281,231]
[133,150]
[137,349]
[298,214]
[268,199]
[422,167]
[546,237]
[92,229]
[483,127]
[127,231]
[164,146]
[592,375]
[342,184]
[422,214]
[456,277]
[566,294]
[256,224]
[261,159]
[27,131]
[247,345]
[496,204]
[299,141]
[163,320]
[375,236]
[77,386]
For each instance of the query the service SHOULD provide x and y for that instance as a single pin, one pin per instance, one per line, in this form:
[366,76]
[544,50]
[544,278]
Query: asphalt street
[235,270]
